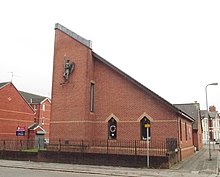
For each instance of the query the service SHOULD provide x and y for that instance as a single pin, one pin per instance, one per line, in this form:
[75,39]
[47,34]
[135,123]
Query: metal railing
[18,145]
[129,147]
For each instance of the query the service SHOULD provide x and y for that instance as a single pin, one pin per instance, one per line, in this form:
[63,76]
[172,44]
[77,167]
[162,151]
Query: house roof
[88,44]
[213,114]
[3,84]
[32,98]
[29,97]
[192,109]
[203,113]
[33,126]
[37,127]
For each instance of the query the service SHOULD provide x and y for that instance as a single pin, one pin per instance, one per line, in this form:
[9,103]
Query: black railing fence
[19,144]
[130,147]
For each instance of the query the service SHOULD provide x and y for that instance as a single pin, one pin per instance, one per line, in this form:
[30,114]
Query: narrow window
[92,90]
[181,136]
[144,127]
[44,107]
[186,131]
[112,129]
[43,121]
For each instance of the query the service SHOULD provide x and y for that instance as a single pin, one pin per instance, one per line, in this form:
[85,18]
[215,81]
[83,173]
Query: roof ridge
[32,98]
[32,94]
[2,84]
[185,103]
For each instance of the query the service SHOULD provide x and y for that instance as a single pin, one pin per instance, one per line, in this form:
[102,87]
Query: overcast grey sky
[171,47]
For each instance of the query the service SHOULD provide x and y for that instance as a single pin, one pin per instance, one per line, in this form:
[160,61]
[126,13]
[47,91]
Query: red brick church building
[92,100]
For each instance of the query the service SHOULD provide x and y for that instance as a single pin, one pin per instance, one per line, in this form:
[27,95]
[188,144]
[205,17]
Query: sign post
[20,131]
[147,126]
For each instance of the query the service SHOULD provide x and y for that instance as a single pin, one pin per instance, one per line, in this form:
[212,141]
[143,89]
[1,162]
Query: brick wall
[115,96]
[14,112]
[69,101]
[44,118]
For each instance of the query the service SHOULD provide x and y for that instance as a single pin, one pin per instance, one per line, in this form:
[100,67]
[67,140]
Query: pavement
[203,161]
[197,165]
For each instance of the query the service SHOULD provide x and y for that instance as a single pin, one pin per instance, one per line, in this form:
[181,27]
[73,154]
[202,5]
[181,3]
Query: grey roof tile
[32,98]
[192,109]
[2,84]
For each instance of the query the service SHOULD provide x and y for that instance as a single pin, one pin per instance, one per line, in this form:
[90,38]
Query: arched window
[144,127]
[112,129]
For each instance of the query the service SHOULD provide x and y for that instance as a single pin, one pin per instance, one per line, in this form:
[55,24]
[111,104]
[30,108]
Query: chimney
[212,108]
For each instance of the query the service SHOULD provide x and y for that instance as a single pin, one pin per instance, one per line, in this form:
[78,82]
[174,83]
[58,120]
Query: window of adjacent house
[186,131]
[92,91]
[35,107]
[43,121]
[144,127]
[112,129]
[181,130]
[44,107]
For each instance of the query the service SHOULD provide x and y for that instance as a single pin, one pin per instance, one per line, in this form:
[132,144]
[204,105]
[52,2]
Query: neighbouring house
[42,108]
[193,109]
[106,110]
[16,115]
[210,124]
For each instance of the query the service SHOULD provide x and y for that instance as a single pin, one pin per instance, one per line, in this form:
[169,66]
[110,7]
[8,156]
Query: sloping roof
[141,86]
[88,44]
[3,84]
[213,114]
[203,113]
[32,98]
[29,97]
[192,109]
[35,127]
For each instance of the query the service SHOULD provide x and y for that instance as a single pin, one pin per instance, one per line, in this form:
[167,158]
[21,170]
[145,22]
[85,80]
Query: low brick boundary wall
[87,158]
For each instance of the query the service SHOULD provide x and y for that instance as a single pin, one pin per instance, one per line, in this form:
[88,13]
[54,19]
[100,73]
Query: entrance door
[39,141]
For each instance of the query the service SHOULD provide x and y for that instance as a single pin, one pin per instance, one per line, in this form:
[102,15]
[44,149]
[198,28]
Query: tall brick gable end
[116,95]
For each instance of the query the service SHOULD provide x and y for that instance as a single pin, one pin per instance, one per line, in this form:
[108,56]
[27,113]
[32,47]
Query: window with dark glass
[186,131]
[112,129]
[92,91]
[145,126]
[181,130]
